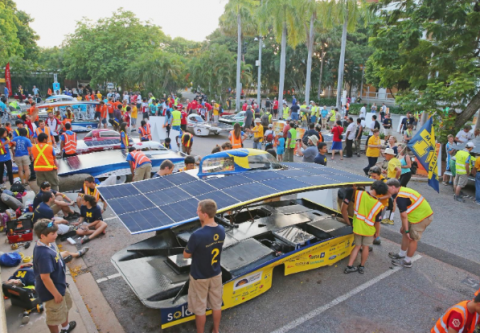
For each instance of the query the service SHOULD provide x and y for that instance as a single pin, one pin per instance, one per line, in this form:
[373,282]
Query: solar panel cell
[174,194]
[224,182]
[118,191]
[180,178]
[183,210]
[145,220]
[130,204]
[222,199]
[151,185]
[285,184]
[316,180]
[263,175]
[197,188]
[248,192]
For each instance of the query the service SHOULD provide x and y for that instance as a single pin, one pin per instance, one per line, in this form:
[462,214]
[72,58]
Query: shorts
[387,131]
[461,180]
[104,120]
[58,313]
[22,160]
[57,138]
[139,106]
[363,240]
[133,121]
[417,229]
[183,127]
[48,176]
[294,116]
[203,293]
[337,145]
[275,112]
[97,115]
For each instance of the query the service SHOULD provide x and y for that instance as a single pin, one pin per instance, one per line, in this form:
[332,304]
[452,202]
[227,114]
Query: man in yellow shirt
[394,169]
[257,134]
[216,111]
[373,150]
[133,116]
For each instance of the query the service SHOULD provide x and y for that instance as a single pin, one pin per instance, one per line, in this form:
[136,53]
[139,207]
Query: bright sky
[190,19]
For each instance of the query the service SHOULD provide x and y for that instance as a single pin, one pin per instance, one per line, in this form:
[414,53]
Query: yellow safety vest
[334,116]
[286,111]
[366,210]
[177,118]
[314,111]
[293,139]
[419,209]
[460,160]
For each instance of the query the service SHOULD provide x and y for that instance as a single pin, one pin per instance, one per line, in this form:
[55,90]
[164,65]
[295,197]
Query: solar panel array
[94,143]
[158,203]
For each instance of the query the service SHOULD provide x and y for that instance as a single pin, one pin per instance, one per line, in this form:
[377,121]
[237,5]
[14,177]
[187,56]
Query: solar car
[196,125]
[268,217]
[233,119]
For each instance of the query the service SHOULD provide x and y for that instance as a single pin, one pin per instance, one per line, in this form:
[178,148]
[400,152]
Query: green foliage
[102,51]
[9,42]
[428,50]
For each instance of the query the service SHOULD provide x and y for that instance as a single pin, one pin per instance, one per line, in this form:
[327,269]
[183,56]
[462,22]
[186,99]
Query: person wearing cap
[309,151]
[269,137]
[394,169]
[286,112]
[464,135]
[416,215]
[462,166]
[257,134]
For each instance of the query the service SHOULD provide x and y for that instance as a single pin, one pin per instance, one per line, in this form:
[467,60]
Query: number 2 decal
[215,253]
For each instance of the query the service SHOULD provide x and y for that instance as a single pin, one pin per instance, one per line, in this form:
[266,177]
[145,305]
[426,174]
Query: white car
[197,126]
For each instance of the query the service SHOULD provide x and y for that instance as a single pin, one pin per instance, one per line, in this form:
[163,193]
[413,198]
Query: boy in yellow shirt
[133,116]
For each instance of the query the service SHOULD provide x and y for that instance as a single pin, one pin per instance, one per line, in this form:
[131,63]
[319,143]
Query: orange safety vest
[461,308]
[47,132]
[189,141]
[3,149]
[236,143]
[43,158]
[139,158]
[88,191]
[146,133]
[70,143]
[49,91]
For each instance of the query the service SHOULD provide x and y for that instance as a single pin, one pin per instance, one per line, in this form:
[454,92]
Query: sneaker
[85,239]
[71,327]
[72,216]
[67,259]
[387,221]
[457,198]
[350,269]
[445,183]
[402,262]
[377,241]
[361,269]
[394,255]
[82,252]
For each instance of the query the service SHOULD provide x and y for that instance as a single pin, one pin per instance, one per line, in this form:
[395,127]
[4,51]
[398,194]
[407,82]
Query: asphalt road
[446,271]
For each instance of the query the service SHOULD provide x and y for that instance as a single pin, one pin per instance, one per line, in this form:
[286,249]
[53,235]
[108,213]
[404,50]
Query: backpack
[17,187]
[264,120]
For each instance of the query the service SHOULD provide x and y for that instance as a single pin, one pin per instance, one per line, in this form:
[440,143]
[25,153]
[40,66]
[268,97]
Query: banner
[424,147]
[8,80]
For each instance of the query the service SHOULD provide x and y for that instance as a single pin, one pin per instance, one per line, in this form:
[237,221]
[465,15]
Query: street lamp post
[259,64]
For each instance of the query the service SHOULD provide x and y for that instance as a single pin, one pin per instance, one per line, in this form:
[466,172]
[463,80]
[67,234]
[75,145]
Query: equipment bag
[11,259]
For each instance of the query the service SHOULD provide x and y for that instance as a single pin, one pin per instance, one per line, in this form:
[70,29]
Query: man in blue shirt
[205,249]
[44,211]
[3,110]
[324,113]
[322,151]
[6,92]
[50,279]
[22,152]
[61,202]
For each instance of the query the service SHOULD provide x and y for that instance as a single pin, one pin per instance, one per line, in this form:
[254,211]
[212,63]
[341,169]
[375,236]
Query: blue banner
[423,146]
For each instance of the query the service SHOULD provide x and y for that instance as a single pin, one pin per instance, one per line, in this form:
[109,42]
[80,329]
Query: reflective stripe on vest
[460,161]
[419,208]
[47,164]
[293,137]
[366,209]
[70,143]
[461,308]
[88,190]
[46,131]
[177,118]
[146,133]
[139,158]
[189,142]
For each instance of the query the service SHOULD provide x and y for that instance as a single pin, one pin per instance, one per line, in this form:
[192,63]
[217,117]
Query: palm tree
[240,12]
[347,13]
[311,8]
[283,16]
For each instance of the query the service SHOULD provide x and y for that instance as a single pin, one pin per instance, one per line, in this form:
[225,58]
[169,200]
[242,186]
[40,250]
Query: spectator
[404,123]
[5,157]
[363,111]
[23,150]
[373,150]
[291,142]
[358,136]
[387,126]
[61,202]
[394,169]
[337,139]
[206,287]
[90,187]
[311,131]
[257,134]
[90,224]
[462,166]
[324,114]
[321,157]
[408,134]
[310,150]
[50,278]
[350,137]
[269,137]
[392,143]
[294,111]
[406,164]
[464,135]
[280,143]
[450,148]
[247,123]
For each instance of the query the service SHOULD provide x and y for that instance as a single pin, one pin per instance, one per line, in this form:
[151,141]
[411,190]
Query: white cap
[470,145]
[270,125]
[257,120]
[314,139]
[389,151]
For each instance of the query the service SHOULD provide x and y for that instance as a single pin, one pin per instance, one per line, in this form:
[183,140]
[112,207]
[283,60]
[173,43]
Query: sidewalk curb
[3,316]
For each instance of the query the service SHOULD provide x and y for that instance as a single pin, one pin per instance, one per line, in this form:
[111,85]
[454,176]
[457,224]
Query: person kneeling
[90,223]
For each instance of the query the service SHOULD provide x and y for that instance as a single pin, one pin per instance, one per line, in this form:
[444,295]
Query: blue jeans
[477,187]
[294,115]
[257,145]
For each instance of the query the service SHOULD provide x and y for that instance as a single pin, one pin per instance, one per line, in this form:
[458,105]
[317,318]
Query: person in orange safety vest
[145,131]
[462,317]
[140,165]
[44,162]
[69,142]
[187,142]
